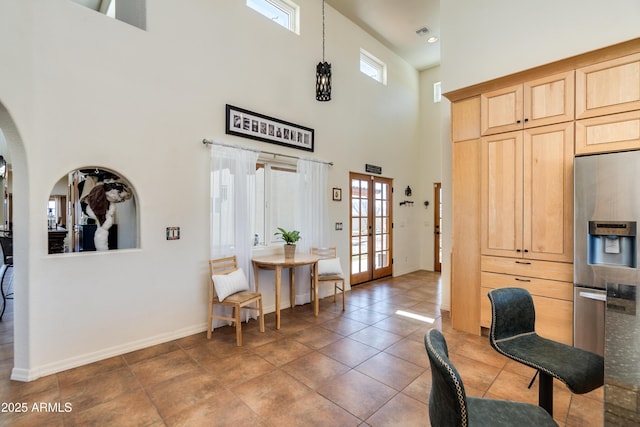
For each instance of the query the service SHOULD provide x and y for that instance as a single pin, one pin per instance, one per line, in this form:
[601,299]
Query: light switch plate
[173,233]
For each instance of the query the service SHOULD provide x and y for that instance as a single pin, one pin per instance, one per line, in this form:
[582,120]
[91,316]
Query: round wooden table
[277,263]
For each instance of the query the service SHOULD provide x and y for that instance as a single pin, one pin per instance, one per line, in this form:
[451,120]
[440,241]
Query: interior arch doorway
[15,182]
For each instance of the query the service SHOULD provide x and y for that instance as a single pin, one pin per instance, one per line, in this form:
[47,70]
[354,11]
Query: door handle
[522,280]
[594,296]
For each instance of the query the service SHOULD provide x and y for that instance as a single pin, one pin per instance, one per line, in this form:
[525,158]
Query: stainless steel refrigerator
[607,210]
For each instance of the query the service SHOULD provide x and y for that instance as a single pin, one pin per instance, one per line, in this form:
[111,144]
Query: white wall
[83,89]
[484,40]
[430,163]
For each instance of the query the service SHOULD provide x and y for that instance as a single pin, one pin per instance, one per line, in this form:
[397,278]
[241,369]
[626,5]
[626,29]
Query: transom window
[282,12]
[373,67]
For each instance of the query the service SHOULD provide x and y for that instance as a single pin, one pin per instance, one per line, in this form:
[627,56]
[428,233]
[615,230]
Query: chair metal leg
[4,297]
[533,378]
[545,392]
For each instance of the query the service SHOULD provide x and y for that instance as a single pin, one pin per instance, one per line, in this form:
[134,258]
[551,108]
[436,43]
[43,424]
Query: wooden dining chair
[329,271]
[229,287]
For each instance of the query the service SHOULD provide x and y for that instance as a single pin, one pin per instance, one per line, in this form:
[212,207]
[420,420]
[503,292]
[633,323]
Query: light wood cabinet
[539,102]
[527,194]
[512,179]
[608,87]
[465,119]
[465,255]
[550,285]
[606,134]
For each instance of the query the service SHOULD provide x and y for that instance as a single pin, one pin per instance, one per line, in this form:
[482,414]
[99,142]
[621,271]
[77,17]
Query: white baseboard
[31,374]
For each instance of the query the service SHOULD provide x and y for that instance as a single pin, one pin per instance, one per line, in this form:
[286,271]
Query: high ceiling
[394,24]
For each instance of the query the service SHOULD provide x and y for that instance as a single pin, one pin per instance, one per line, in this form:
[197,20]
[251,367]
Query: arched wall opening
[92,208]
[12,150]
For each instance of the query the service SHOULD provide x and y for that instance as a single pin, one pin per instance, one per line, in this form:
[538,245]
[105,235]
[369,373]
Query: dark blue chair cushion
[449,405]
[513,334]
[488,412]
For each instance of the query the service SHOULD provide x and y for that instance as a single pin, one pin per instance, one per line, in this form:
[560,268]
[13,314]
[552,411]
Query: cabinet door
[608,87]
[549,100]
[465,254]
[501,110]
[465,119]
[501,185]
[548,193]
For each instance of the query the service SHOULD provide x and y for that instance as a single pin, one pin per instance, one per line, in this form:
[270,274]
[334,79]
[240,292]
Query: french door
[371,227]
[437,227]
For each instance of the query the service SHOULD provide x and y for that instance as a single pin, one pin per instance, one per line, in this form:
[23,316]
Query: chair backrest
[223,265]
[448,400]
[7,249]
[324,253]
[512,313]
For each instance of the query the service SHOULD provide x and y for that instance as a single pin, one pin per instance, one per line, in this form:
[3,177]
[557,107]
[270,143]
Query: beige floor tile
[390,370]
[87,371]
[132,408]
[402,411]
[100,388]
[420,388]
[375,337]
[344,325]
[315,369]
[313,410]
[358,393]
[163,367]
[410,350]
[316,337]
[349,352]
[282,351]
[238,369]
[267,394]
[181,393]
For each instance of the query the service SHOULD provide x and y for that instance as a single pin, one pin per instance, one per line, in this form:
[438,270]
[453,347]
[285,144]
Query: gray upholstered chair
[449,405]
[513,335]
[6,243]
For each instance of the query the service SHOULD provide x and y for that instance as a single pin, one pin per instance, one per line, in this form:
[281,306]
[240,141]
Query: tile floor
[364,367]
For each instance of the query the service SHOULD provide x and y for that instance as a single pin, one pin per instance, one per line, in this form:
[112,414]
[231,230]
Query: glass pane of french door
[370,228]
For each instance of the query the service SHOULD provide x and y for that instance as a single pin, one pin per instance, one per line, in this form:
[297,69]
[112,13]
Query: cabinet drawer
[617,132]
[554,317]
[560,271]
[539,287]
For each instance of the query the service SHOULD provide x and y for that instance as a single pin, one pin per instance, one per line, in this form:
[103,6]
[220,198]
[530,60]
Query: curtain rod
[223,144]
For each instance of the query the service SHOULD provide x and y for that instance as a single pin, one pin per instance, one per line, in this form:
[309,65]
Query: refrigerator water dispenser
[612,243]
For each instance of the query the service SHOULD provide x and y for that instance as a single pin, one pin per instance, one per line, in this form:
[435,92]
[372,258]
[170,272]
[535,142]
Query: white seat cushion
[228,284]
[329,267]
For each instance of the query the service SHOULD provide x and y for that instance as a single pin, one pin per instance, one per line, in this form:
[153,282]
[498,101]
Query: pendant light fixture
[323,72]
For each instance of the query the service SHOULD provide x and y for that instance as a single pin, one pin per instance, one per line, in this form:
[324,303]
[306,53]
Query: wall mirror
[92,209]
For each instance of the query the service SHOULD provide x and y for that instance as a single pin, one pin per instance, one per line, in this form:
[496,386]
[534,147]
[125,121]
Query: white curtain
[233,186]
[312,217]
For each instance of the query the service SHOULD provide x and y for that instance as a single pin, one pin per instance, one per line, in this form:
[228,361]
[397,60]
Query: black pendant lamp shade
[323,72]
[323,81]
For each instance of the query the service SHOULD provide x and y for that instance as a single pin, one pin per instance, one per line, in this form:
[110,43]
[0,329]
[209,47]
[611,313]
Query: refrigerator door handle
[593,295]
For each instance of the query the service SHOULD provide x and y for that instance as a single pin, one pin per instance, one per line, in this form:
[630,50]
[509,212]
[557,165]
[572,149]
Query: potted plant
[290,238]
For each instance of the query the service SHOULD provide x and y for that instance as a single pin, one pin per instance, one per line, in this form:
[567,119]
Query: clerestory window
[282,12]
[373,67]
